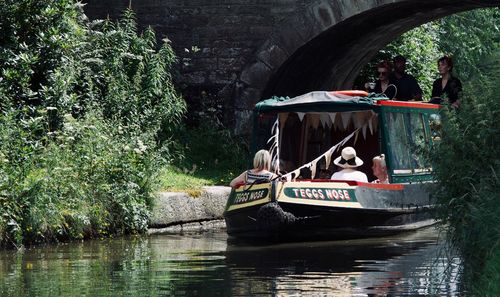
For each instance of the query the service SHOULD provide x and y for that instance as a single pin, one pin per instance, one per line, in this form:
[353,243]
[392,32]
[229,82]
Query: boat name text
[248,196]
[320,194]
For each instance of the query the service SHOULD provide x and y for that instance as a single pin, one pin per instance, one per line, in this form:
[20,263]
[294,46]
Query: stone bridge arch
[251,49]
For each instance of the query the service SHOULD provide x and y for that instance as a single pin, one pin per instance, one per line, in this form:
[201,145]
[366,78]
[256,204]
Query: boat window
[400,157]
[419,141]
[408,141]
[435,127]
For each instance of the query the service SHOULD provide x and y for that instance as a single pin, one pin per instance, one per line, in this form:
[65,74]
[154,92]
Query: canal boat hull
[326,210]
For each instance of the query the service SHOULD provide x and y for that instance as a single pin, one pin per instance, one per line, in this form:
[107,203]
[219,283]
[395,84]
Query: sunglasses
[381,73]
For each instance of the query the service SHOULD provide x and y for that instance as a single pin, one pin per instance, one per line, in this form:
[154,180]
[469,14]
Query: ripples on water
[206,265]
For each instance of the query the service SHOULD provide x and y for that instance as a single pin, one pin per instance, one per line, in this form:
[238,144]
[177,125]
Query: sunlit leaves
[85,109]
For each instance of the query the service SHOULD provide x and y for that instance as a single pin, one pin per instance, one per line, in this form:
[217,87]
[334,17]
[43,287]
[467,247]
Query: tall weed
[467,167]
[88,114]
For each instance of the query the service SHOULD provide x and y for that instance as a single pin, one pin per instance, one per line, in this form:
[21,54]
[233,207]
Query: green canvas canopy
[319,101]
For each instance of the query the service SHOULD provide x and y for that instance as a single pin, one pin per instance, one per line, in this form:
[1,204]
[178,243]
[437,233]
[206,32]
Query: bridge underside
[333,59]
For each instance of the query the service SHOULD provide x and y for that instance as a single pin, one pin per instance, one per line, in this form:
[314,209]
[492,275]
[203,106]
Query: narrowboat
[304,134]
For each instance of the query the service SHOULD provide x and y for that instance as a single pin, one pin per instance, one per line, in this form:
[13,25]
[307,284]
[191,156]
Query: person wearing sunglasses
[384,85]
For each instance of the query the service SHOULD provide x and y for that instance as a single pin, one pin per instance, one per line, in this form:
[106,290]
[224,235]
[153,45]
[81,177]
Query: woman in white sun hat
[348,162]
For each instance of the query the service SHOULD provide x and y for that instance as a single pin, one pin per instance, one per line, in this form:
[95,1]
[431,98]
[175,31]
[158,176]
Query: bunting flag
[275,150]
[338,121]
[370,124]
[328,158]
[325,120]
[312,165]
[332,116]
[313,169]
[346,118]
[356,138]
[361,120]
[301,115]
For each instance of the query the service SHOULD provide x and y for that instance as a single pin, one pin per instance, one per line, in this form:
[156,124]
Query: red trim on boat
[359,93]
[382,186]
[359,184]
[408,104]
[349,182]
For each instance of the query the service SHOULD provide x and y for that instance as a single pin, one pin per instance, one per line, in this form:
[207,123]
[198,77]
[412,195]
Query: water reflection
[205,265]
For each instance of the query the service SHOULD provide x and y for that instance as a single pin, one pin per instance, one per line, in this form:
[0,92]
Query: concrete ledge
[171,208]
[197,227]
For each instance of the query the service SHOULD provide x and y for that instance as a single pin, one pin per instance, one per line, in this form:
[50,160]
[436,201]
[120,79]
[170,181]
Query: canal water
[413,264]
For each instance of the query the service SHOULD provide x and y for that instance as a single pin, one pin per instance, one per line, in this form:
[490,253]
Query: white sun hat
[348,159]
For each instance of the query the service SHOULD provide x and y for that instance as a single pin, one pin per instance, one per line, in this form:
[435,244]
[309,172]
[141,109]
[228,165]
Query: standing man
[408,88]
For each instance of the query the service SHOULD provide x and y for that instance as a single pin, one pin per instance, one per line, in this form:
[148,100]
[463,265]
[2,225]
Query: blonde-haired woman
[379,168]
[260,171]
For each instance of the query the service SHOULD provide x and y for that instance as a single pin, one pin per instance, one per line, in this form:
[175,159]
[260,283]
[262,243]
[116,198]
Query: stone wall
[233,53]
[172,210]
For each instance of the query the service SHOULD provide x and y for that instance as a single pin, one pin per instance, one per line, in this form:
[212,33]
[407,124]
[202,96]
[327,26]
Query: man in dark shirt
[408,88]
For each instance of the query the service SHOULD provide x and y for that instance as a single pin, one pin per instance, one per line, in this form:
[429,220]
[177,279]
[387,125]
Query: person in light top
[379,168]
[348,162]
[260,172]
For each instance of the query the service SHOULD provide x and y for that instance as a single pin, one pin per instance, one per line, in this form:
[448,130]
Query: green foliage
[88,115]
[457,36]
[467,167]
[419,48]
[468,43]
[212,154]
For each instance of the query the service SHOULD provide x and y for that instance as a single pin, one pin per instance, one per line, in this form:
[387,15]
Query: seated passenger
[348,161]
[261,164]
[380,170]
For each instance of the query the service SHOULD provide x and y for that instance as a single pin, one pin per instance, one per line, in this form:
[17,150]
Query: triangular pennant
[346,118]
[328,158]
[313,169]
[332,116]
[325,120]
[356,137]
[363,129]
[312,164]
[301,115]
[370,124]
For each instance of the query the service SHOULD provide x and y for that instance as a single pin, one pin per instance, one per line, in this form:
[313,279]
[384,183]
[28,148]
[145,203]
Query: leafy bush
[88,113]
[211,152]
[468,170]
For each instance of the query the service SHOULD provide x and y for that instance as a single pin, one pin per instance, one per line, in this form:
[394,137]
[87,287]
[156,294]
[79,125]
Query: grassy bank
[212,156]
